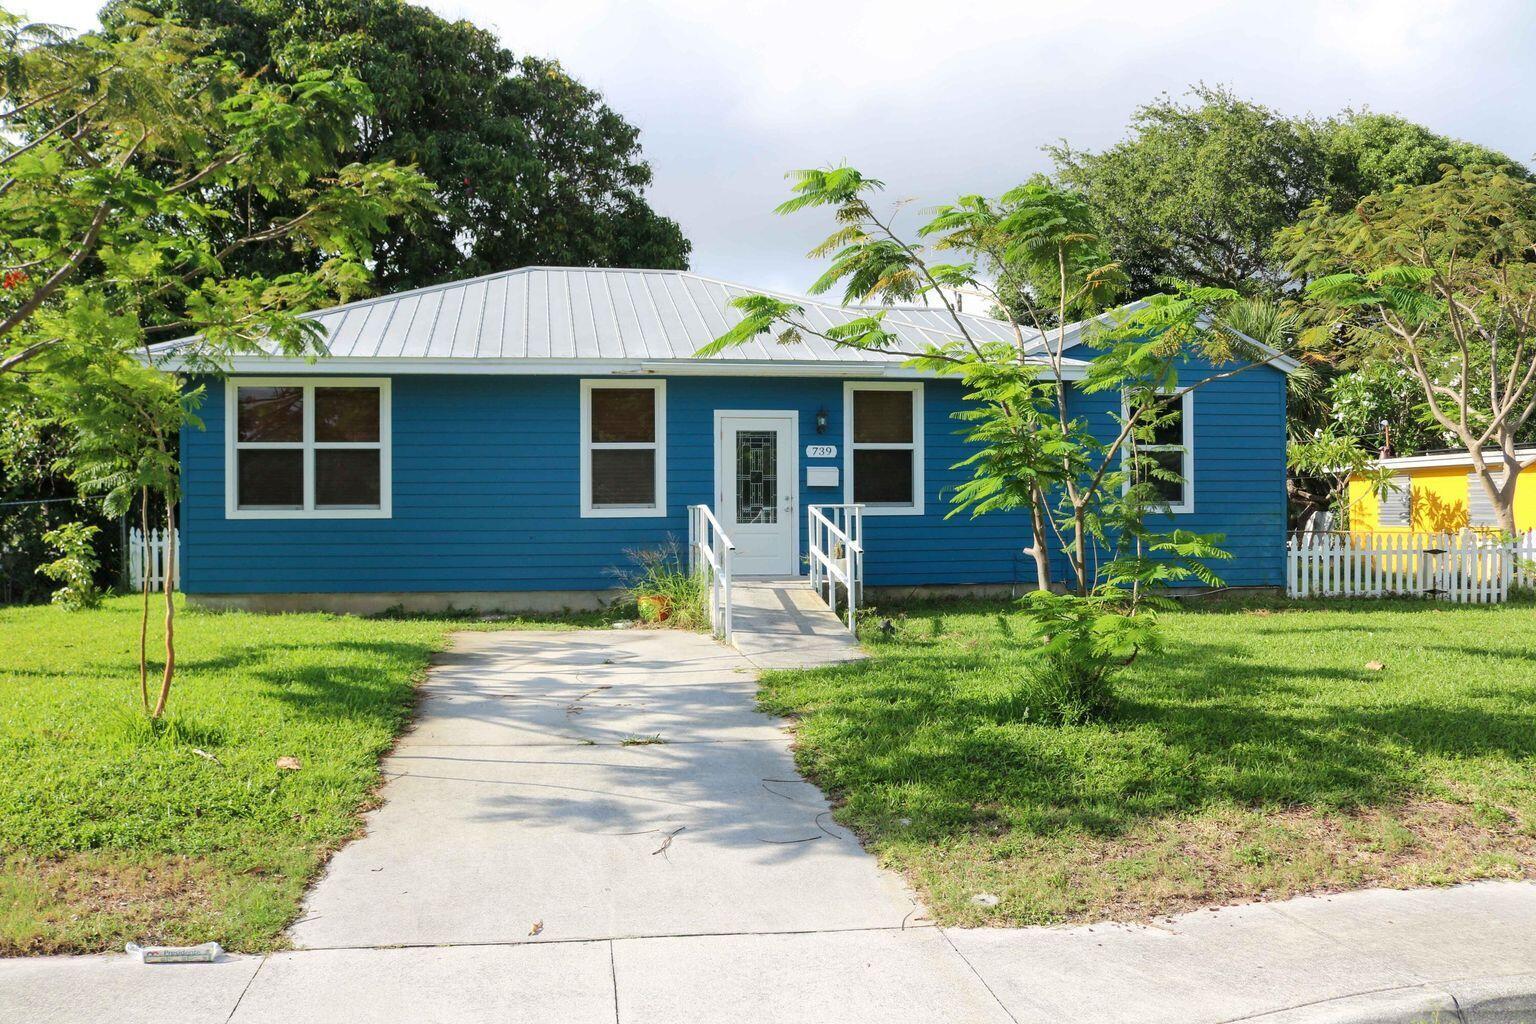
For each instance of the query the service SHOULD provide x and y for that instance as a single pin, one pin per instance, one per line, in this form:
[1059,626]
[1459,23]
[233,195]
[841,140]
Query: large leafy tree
[1439,280]
[1200,187]
[531,166]
[1370,153]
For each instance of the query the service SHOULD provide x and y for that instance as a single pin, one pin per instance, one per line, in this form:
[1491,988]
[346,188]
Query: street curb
[1507,999]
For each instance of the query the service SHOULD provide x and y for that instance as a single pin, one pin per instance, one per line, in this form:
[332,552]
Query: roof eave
[373,365]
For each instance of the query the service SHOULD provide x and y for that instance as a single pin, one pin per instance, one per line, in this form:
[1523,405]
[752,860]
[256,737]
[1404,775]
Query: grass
[111,830]
[1258,757]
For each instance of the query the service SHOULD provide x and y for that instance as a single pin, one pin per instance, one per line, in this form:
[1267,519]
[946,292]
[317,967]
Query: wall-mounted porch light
[821,420]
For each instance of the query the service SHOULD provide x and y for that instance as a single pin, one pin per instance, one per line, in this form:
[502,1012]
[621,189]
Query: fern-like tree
[1439,279]
[1035,252]
[119,157]
[136,167]
[123,417]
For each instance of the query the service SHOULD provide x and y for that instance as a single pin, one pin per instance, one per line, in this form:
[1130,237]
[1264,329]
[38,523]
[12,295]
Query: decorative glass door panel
[757,476]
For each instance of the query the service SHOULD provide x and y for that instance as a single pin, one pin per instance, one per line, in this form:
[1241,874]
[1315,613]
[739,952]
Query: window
[1171,450]
[307,449]
[1396,505]
[1480,510]
[883,431]
[623,451]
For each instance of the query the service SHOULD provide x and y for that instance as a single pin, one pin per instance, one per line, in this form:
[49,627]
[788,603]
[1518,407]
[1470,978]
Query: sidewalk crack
[248,983]
[984,984]
[613,978]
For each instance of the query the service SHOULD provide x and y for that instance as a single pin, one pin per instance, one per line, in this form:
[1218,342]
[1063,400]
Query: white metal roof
[562,314]
[580,320]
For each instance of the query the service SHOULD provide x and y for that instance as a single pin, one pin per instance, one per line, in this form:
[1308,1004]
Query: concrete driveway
[595,785]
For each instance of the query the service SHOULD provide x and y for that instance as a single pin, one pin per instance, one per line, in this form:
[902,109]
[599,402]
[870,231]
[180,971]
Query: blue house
[509,441]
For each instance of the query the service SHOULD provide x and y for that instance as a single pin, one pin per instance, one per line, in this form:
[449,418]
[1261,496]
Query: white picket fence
[1466,568]
[157,550]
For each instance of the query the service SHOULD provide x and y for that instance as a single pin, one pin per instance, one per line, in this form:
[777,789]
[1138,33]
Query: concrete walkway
[535,859]
[786,624]
[616,784]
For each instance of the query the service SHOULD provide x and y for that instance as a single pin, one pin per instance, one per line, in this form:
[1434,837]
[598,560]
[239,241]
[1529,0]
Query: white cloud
[941,98]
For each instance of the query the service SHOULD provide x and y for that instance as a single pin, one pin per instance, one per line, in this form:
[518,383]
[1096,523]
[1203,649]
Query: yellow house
[1437,494]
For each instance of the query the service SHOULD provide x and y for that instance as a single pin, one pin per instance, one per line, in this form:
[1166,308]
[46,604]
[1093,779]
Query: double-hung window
[299,449]
[1170,451]
[883,428]
[623,448]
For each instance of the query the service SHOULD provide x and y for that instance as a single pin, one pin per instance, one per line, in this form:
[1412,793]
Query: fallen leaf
[1374,666]
[538,926]
[289,763]
[205,755]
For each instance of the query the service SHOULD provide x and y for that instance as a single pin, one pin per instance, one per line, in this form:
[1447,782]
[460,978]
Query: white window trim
[916,446]
[1186,466]
[659,445]
[232,447]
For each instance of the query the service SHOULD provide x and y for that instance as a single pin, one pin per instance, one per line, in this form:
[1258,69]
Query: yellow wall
[1439,501]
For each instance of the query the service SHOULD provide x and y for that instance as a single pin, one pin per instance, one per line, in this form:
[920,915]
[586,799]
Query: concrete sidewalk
[598,826]
[1463,954]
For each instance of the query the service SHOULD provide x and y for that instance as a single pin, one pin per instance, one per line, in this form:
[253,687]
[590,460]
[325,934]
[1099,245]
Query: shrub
[75,567]
[1084,643]
[664,591]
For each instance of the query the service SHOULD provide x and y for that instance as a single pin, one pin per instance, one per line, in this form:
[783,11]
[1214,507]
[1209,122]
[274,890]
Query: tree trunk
[145,566]
[1079,551]
[170,608]
[1040,548]
[1502,498]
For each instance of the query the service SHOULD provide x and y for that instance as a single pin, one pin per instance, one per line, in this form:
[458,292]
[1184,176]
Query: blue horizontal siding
[486,492]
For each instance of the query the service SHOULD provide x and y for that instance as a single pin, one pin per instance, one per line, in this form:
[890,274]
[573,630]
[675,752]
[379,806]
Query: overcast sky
[941,98]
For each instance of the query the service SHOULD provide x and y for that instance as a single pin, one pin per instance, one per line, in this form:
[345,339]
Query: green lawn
[1257,758]
[111,831]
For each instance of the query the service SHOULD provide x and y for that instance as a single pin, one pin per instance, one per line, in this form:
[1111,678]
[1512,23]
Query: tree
[122,157]
[1439,279]
[123,416]
[531,166]
[1033,451]
[1199,189]
[1370,153]
[139,166]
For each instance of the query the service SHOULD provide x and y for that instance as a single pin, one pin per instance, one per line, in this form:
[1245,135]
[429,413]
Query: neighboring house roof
[1439,460]
[574,319]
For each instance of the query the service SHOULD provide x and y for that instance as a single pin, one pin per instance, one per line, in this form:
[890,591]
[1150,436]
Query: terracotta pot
[655,608]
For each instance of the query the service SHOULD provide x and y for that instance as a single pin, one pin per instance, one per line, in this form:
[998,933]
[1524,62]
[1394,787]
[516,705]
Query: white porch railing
[711,552]
[1465,568]
[836,548]
[156,551]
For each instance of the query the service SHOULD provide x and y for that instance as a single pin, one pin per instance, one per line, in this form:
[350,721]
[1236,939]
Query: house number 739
[821,451]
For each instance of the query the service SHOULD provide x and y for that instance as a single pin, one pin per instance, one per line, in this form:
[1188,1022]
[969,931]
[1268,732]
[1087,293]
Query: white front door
[756,489]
